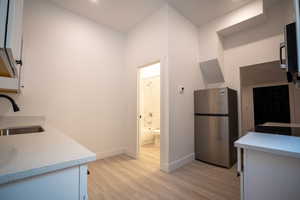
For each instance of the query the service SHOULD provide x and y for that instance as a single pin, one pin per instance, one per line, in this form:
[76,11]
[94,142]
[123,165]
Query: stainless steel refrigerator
[216,126]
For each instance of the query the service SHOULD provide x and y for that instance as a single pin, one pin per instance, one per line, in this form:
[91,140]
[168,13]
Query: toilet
[147,137]
[156,133]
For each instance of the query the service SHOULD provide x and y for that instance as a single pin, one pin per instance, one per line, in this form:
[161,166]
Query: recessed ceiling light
[94,1]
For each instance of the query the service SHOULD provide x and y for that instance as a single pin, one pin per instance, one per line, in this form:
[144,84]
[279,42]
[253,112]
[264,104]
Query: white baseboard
[170,167]
[166,167]
[132,155]
[107,154]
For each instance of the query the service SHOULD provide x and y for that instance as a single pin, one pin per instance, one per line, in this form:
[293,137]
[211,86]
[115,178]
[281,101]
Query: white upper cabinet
[297,9]
[11,17]
[15,30]
[3,8]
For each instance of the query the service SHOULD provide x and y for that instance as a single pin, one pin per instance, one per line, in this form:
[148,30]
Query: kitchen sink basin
[21,130]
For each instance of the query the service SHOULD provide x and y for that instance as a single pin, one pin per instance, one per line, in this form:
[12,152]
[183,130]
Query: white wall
[73,75]
[184,71]
[184,49]
[169,37]
[255,45]
[147,43]
[211,45]
[74,72]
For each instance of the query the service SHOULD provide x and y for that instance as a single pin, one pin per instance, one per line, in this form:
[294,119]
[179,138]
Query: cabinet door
[3,9]
[83,194]
[270,177]
[58,185]
[14,29]
[297,9]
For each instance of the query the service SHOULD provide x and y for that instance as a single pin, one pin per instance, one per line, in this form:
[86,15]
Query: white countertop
[27,155]
[271,143]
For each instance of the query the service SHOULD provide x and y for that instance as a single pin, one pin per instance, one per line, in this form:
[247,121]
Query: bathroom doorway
[149,112]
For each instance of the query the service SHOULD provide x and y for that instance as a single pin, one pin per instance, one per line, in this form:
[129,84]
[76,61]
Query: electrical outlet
[181,89]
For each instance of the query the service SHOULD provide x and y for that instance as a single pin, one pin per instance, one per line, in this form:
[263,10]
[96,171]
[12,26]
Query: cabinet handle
[282,64]
[88,172]
[19,62]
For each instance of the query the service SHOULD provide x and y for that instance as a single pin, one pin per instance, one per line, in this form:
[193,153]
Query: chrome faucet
[13,103]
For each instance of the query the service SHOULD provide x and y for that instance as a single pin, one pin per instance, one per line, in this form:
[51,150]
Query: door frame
[139,101]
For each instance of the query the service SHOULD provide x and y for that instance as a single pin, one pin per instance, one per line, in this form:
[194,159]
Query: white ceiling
[202,11]
[122,15]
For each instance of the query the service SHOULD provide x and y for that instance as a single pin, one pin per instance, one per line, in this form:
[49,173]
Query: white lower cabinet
[83,172]
[268,176]
[66,184]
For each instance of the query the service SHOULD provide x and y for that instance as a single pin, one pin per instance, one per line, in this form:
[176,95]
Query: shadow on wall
[266,30]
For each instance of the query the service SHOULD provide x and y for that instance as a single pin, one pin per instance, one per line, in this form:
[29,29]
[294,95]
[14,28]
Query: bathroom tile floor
[122,177]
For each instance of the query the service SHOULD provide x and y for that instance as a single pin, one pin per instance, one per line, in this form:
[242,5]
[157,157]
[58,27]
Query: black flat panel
[274,130]
[271,104]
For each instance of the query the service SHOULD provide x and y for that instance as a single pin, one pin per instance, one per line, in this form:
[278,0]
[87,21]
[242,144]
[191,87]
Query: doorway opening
[149,113]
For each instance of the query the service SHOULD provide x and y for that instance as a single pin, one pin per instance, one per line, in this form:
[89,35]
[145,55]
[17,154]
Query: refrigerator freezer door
[212,101]
[212,140]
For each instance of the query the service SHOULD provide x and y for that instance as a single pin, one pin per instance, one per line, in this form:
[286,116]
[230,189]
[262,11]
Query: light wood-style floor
[122,177]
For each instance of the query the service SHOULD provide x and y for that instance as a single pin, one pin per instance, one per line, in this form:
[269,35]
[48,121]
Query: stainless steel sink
[21,130]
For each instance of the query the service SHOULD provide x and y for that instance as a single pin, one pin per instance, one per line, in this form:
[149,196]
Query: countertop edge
[268,150]
[264,148]
[8,178]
